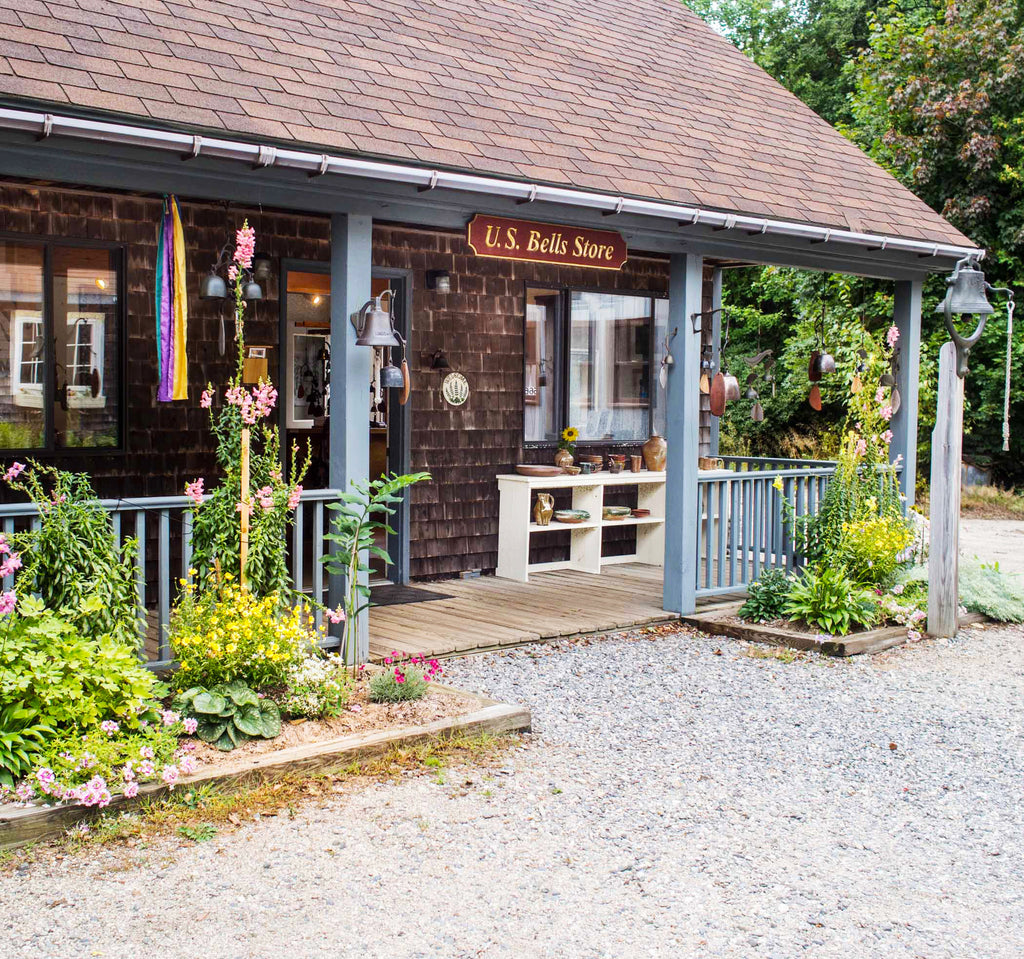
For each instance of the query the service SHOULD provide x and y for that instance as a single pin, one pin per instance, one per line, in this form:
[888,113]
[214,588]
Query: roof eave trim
[45,125]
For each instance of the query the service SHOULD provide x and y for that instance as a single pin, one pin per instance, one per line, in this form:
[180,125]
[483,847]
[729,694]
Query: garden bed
[724,621]
[302,748]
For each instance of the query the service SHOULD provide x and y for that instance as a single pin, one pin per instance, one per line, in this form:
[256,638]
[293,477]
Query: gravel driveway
[674,802]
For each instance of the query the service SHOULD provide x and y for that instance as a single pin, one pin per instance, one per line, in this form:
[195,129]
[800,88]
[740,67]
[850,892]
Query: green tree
[939,102]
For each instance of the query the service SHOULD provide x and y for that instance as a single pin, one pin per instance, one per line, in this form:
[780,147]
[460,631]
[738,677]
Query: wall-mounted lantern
[440,281]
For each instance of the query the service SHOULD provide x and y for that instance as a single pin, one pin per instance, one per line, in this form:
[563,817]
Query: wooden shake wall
[479,325]
[165,445]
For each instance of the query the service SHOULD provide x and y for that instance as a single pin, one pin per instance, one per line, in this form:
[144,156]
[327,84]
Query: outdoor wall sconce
[262,266]
[439,280]
[373,324]
[965,293]
[439,361]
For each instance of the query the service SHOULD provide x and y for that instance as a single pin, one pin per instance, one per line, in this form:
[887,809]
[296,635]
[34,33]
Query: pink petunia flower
[131,790]
[170,775]
[191,724]
[169,717]
[13,472]
[146,769]
[187,765]
[109,727]
[146,752]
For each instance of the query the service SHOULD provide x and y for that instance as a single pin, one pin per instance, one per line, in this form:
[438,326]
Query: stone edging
[21,825]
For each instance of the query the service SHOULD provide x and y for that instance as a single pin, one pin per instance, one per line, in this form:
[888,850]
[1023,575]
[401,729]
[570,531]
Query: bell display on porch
[213,287]
[373,324]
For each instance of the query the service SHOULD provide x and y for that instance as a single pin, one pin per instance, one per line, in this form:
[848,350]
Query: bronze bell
[213,287]
[373,325]
[391,377]
[252,291]
[966,293]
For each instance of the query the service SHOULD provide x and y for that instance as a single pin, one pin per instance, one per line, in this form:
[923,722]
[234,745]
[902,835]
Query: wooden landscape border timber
[718,622]
[22,825]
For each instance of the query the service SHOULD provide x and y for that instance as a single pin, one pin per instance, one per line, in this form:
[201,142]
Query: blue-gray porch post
[351,262]
[682,435]
[716,344]
[907,317]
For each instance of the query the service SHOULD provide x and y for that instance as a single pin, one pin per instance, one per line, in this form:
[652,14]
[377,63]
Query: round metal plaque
[455,389]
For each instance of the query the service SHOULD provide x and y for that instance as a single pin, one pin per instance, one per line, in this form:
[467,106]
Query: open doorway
[305,378]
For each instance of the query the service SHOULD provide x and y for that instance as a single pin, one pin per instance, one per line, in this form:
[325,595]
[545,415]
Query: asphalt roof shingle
[637,98]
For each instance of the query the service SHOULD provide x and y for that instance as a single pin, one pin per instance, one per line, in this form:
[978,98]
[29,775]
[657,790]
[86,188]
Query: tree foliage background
[933,92]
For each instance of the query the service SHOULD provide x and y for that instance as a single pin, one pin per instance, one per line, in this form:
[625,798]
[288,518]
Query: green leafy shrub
[403,680]
[825,597]
[74,556]
[68,680]
[984,588]
[317,688]
[230,713]
[871,548]
[766,597]
[225,634]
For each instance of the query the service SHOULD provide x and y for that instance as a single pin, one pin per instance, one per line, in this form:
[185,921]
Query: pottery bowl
[571,515]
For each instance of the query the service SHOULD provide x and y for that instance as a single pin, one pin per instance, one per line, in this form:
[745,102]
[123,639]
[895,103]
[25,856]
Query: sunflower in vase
[567,446]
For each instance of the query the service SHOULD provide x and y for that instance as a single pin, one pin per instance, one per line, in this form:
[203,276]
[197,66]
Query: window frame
[120,266]
[563,360]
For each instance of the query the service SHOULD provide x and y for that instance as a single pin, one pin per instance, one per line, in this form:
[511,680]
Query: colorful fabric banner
[171,306]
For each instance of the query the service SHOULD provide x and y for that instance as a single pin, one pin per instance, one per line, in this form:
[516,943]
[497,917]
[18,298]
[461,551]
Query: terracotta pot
[655,453]
[563,458]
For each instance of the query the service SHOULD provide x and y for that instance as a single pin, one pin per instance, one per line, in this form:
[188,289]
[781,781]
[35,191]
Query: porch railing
[162,526]
[748,464]
[741,528]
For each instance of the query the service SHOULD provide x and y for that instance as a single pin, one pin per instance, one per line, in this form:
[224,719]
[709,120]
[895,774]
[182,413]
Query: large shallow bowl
[571,515]
[530,469]
[616,512]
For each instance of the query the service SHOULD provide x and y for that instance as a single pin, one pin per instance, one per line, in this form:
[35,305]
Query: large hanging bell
[213,287]
[966,293]
[373,325]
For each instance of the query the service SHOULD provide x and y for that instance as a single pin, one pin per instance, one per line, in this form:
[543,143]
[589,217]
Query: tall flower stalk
[241,526]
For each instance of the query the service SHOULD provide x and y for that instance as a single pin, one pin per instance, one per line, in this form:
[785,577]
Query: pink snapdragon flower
[892,336]
[13,472]
[861,448]
[887,436]
[249,411]
[336,615]
[265,495]
[191,724]
[245,245]
[194,491]
[8,601]
[235,395]
[9,565]
[110,727]
[886,412]
[264,397]
[232,273]
[206,400]
[294,497]
[879,394]
[245,508]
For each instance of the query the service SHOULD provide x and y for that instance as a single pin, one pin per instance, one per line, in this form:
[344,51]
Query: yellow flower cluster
[229,633]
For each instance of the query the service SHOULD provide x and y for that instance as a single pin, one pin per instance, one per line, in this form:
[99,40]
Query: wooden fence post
[944,552]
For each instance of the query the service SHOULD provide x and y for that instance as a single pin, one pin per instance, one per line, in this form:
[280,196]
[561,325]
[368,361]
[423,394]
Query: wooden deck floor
[488,613]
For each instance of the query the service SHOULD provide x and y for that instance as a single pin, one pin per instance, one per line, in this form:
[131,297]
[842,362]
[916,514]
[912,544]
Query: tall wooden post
[682,435]
[716,345]
[243,550]
[351,265]
[907,317]
[944,553]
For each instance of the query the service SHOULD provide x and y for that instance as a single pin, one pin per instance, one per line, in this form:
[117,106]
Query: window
[60,332]
[591,361]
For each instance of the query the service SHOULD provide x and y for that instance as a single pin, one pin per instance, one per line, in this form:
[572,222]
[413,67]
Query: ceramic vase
[543,509]
[655,453]
[563,458]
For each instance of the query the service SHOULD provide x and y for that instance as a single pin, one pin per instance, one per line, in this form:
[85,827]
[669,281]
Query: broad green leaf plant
[360,516]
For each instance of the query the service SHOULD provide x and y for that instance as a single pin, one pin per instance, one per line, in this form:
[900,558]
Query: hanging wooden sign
[509,239]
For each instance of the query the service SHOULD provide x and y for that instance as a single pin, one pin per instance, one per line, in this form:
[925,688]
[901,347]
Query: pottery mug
[636,463]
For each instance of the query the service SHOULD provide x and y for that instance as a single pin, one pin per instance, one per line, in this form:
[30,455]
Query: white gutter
[48,124]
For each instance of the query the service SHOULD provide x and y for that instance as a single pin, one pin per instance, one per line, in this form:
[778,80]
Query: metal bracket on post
[695,317]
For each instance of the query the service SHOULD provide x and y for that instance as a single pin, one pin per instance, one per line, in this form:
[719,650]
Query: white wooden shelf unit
[516,527]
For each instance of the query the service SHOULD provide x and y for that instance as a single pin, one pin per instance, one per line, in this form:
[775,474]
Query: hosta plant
[826,598]
[22,738]
[229,714]
[766,597]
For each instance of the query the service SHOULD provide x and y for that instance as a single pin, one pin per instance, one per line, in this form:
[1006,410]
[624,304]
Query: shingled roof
[634,98]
